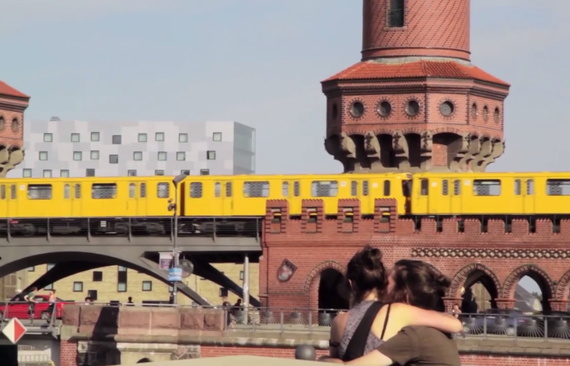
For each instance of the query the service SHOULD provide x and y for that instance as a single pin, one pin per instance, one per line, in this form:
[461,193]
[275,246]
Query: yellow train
[445,194]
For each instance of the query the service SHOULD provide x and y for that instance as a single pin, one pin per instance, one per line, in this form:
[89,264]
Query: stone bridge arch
[77,261]
[540,276]
[562,288]
[472,273]
[313,280]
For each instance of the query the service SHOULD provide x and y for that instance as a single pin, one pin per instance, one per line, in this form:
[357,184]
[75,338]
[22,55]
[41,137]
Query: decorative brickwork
[531,270]
[471,272]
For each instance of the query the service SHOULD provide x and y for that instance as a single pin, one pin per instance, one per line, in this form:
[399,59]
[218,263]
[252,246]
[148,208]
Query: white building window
[77,156]
[113,159]
[95,155]
[204,171]
[137,155]
[43,155]
[143,137]
[75,137]
[47,173]
[159,172]
[64,173]
[147,285]
[162,156]
[95,136]
[211,155]
[77,286]
[121,287]
[48,137]
[185,172]
[117,139]
[181,156]
[159,136]
[27,173]
[132,173]
[183,137]
[217,136]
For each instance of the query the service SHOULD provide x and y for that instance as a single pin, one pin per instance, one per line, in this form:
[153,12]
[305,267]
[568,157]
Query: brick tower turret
[415,102]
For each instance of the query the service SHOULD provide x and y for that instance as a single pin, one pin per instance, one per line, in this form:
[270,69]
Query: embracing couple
[396,316]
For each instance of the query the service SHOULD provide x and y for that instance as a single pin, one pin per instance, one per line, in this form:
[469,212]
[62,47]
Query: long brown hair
[419,284]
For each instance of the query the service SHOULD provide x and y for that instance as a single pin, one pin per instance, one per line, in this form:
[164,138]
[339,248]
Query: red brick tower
[415,102]
[12,106]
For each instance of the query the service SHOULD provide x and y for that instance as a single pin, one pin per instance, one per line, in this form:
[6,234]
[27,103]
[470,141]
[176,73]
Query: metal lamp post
[175,257]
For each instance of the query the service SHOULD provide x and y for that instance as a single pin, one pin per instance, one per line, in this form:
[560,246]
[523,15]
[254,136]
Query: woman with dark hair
[418,284]
[365,326]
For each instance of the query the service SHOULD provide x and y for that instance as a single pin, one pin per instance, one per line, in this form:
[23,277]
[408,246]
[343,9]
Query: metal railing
[306,320]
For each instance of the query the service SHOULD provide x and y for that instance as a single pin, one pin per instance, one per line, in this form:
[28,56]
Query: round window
[15,125]
[485,113]
[384,108]
[497,115]
[446,108]
[413,108]
[334,111]
[357,109]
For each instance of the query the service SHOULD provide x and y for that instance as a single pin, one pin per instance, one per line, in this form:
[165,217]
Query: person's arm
[26,298]
[337,328]
[428,318]
[400,349]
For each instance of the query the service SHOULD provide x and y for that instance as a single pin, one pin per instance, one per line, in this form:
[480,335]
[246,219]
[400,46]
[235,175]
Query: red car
[19,309]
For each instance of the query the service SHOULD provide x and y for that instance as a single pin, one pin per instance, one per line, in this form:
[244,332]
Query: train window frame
[45,192]
[13,192]
[66,191]
[549,186]
[196,189]
[77,190]
[365,188]
[457,187]
[132,190]
[285,189]
[142,190]
[250,187]
[518,187]
[228,189]
[424,187]
[317,185]
[492,183]
[296,188]
[445,187]
[530,187]
[160,190]
[387,188]
[218,189]
[3,192]
[101,187]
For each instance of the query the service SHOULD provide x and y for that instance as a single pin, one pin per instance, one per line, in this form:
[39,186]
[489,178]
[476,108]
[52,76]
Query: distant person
[171,298]
[51,300]
[237,311]
[130,301]
[227,306]
[88,301]
[29,298]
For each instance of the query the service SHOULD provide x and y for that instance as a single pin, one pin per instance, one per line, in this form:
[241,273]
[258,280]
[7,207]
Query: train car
[247,195]
[517,194]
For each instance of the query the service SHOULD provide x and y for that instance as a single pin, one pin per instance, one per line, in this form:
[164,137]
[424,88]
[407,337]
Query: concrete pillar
[9,355]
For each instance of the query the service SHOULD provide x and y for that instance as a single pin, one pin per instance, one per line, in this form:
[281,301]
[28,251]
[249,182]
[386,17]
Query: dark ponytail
[366,272]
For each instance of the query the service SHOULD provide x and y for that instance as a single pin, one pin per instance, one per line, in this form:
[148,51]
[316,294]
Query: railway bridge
[87,244]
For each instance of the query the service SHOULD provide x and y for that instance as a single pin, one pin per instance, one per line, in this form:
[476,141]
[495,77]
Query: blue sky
[260,62]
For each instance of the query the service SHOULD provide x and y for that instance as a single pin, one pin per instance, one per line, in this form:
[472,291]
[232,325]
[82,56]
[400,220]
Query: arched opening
[529,294]
[144,360]
[480,293]
[333,291]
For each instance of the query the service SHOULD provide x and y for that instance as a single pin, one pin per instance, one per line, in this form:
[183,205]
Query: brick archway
[463,275]
[311,287]
[562,288]
[536,273]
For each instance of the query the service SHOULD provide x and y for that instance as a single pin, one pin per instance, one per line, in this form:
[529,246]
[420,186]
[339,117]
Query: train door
[422,198]
[72,195]
[455,199]
[223,191]
[14,190]
[524,196]
[132,198]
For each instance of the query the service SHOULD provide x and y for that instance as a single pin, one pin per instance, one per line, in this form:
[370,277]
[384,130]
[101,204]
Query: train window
[490,187]
[424,187]
[3,192]
[143,190]
[296,189]
[445,187]
[163,190]
[530,187]
[285,189]
[518,189]
[228,189]
[365,188]
[66,191]
[132,190]
[322,188]
[217,189]
[39,191]
[354,188]
[13,192]
[103,191]
[256,189]
[387,188]
[558,187]
[78,191]
[196,190]
[457,187]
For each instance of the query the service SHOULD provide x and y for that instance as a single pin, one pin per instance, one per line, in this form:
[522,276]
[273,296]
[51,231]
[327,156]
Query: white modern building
[57,148]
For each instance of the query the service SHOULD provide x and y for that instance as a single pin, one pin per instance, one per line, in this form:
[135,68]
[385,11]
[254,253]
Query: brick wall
[68,353]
